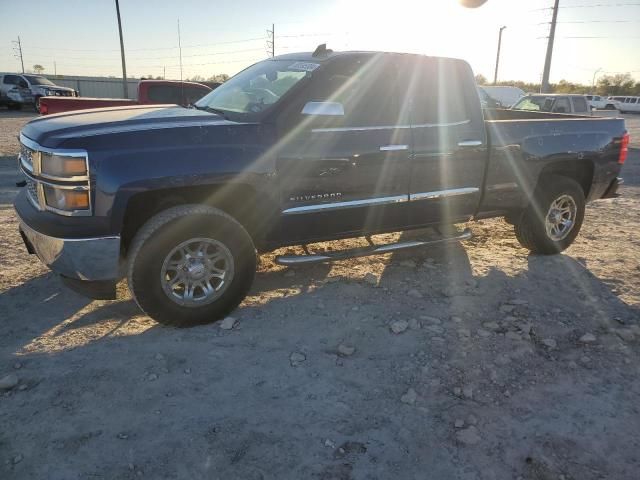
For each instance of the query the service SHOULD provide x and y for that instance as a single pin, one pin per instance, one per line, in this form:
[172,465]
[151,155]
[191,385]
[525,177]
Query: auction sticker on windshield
[304,66]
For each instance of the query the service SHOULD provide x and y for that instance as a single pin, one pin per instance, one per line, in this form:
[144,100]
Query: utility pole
[547,60]
[180,49]
[18,45]
[495,75]
[55,69]
[593,80]
[271,44]
[124,63]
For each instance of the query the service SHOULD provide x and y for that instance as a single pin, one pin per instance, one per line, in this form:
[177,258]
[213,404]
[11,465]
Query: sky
[80,37]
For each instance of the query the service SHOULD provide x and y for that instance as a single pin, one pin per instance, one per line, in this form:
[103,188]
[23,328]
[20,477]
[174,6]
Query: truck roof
[330,54]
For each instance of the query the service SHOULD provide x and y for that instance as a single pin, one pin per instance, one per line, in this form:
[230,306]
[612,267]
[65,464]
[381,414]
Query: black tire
[531,229]
[14,106]
[36,104]
[165,231]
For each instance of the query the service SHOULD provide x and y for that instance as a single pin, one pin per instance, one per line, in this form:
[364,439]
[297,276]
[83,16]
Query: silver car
[40,86]
[14,92]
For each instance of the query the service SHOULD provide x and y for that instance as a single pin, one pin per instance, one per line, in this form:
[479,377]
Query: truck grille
[26,154]
[32,192]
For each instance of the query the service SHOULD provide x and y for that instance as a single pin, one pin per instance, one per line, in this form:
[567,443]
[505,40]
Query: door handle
[393,148]
[470,143]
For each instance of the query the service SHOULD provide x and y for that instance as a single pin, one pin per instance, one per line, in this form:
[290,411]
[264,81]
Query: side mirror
[334,109]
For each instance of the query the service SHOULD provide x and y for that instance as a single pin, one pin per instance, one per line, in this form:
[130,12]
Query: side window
[579,105]
[562,105]
[365,88]
[439,95]
[597,98]
[10,80]
[634,100]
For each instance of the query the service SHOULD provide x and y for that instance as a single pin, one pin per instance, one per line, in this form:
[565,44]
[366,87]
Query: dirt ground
[510,366]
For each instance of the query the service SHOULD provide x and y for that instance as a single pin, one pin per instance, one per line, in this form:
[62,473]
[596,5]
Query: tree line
[620,84]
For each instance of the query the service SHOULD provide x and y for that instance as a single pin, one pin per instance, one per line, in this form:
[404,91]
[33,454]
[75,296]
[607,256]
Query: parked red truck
[149,92]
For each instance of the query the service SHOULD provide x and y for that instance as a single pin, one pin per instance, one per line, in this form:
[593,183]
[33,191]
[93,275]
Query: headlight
[65,199]
[64,166]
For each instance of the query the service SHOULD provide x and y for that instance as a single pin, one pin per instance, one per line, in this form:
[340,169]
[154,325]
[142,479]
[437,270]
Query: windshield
[33,80]
[257,88]
[539,104]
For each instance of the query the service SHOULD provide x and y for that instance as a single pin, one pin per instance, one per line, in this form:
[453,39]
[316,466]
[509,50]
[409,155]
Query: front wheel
[190,264]
[553,218]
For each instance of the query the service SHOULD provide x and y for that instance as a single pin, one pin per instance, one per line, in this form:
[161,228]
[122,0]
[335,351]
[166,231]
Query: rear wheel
[553,219]
[36,104]
[190,264]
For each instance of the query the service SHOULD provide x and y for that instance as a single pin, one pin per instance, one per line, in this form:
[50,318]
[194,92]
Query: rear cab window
[579,105]
[439,95]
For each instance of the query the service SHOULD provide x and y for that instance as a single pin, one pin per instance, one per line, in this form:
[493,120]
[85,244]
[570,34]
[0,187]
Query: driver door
[346,173]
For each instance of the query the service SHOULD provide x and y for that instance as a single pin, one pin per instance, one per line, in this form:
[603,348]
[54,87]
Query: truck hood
[54,88]
[52,130]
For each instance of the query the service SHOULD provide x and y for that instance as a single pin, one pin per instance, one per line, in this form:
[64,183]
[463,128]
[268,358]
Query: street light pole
[593,80]
[124,64]
[495,75]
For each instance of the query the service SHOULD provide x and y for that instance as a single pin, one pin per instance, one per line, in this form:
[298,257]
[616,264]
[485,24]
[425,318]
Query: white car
[554,103]
[507,96]
[628,105]
[612,102]
[596,101]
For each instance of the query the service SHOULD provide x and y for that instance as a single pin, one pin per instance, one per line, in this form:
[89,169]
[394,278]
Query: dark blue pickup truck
[297,149]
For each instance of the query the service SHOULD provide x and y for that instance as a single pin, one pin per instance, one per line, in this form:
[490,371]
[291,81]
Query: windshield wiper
[217,111]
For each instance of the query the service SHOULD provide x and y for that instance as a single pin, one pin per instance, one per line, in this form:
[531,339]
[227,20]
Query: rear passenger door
[449,142]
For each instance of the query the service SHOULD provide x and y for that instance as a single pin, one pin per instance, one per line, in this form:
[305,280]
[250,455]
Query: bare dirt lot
[506,365]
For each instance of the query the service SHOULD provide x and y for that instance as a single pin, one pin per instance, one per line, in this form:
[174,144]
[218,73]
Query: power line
[590,6]
[594,21]
[148,49]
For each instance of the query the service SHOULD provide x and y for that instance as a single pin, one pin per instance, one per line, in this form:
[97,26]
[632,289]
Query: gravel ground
[474,361]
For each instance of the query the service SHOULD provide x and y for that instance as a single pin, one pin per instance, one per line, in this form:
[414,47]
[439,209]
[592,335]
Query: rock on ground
[409,397]
[8,381]
[399,326]
[468,436]
[228,323]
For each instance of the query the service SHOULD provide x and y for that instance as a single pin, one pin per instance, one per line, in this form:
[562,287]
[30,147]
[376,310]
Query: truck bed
[51,105]
[522,144]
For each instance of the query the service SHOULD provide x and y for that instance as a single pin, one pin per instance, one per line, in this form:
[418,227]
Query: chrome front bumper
[76,258]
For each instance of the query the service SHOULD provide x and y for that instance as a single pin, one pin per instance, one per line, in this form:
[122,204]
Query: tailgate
[50,105]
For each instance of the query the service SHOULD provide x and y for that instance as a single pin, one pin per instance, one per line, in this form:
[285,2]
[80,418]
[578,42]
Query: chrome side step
[366,251]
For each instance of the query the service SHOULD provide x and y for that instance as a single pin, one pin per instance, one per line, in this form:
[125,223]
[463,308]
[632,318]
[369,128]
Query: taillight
[624,148]
[44,110]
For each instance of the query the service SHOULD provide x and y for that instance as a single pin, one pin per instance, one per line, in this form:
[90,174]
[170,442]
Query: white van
[507,96]
[629,105]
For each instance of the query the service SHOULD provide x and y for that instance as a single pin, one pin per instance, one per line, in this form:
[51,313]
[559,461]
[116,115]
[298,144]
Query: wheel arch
[582,171]
[239,200]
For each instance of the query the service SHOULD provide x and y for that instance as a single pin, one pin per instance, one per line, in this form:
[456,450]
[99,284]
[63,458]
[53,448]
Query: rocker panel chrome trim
[322,207]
